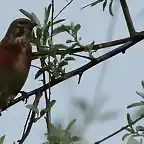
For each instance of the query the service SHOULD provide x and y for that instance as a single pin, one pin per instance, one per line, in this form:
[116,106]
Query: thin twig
[26,123]
[31,119]
[63,9]
[127,17]
[120,49]
[86,57]
[120,130]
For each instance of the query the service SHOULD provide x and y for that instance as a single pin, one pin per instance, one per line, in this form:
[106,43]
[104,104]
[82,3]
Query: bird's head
[20,30]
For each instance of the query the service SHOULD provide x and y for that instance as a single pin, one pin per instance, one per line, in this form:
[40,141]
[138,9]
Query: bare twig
[120,49]
[120,130]
[86,57]
[31,119]
[127,17]
[63,8]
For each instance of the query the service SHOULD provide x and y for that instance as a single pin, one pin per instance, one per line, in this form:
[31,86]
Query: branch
[77,71]
[63,9]
[127,17]
[95,47]
[120,130]
[31,118]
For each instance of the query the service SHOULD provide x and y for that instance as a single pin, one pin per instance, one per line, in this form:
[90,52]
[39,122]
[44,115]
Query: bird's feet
[24,95]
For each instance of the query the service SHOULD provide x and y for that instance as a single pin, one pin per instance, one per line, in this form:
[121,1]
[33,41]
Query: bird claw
[24,95]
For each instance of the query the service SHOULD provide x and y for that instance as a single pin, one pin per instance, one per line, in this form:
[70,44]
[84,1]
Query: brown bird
[15,59]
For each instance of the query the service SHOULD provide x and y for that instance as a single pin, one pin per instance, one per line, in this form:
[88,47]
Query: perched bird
[15,59]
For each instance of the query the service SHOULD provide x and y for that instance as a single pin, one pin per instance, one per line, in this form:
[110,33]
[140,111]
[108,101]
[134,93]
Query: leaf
[93,3]
[61,29]
[135,104]
[69,58]
[142,82]
[69,41]
[63,63]
[105,116]
[140,94]
[90,47]
[132,141]
[53,138]
[27,14]
[60,46]
[125,135]
[139,128]
[39,33]
[129,130]
[141,142]
[47,13]
[58,132]
[2,139]
[33,108]
[50,105]
[35,19]
[76,28]
[110,7]
[46,33]
[70,125]
[42,70]
[104,4]
[46,142]
[130,122]
[75,138]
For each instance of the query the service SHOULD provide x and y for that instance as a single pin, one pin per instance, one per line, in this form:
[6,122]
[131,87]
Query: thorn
[80,75]
[24,95]
[123,52]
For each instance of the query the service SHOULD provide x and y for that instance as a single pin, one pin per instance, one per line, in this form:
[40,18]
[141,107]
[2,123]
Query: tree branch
[87,66]
[31,119]
[120,130]
[95,47]
[127,17]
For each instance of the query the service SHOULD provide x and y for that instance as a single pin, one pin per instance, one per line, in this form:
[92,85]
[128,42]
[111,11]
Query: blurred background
[99,102]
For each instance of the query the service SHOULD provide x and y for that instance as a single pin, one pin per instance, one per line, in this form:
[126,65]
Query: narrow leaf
[125,135]
[33,108]
[129,122]
[35,19]
[140,94]
[139,128]
[75,138]
[142,82]
[110,7]
[70,125]
[2,139]
[27,14]
[69,58]
[135,104]
[104,4]
[93,3]
[47,13]
[76,28]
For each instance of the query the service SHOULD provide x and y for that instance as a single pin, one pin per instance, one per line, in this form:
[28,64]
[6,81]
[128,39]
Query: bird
[15,59]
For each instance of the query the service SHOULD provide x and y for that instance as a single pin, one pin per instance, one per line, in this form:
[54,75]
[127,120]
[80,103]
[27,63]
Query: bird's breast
[16,56]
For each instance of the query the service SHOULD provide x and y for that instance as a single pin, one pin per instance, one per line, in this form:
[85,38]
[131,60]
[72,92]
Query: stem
[127,17]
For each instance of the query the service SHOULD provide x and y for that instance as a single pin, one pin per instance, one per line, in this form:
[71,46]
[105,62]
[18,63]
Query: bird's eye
[19,32]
